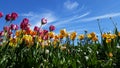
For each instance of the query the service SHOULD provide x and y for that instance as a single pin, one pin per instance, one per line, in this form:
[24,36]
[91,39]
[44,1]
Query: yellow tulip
[108,40]
[28,39]
[119,34]
[51,34]
[110,54]
[93,34]
[89,36]
[113,36]
[81,37]
[73,35]
[63,32]
[13,42]
[61,36]
[94,39]
[104,35]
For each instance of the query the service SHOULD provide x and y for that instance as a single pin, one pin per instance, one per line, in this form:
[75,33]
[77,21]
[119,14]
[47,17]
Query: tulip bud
[47,51]
[1,14]
[51,28]
[6,28]
[43,21]
[1,33]
[14,16]
[36,28]
[12,26]
[26,21]
[16,27]
[8,17]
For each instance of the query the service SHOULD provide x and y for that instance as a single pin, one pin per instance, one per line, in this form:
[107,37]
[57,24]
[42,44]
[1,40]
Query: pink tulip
[14,16]
[6,28]
[51,28]
[8,17]
[45,37]
[17,27]
[1,14]
[40,31]
[1,33]
[43,21]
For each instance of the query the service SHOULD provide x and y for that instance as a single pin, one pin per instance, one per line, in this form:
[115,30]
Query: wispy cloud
[71,5]
[35,18]
[70,19]
[100,17]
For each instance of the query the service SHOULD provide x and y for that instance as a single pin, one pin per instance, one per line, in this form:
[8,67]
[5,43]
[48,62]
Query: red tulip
[51,28]
[14,16]
[24,24]
[43,21]
[45,31]
[26,21]
[8,17]
[1,14]
[12,26]
[36,28]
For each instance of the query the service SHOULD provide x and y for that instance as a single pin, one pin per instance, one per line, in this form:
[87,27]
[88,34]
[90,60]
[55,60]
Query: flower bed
[21,47]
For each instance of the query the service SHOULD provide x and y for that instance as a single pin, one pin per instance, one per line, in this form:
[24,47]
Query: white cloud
[71,5]
[29,14]
[100,17]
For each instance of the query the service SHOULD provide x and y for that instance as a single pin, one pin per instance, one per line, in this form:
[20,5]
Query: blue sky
[73,15]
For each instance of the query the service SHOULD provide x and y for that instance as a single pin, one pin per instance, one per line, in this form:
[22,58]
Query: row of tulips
[21,46]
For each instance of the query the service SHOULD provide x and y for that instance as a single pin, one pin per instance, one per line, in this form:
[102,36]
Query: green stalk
[100,29]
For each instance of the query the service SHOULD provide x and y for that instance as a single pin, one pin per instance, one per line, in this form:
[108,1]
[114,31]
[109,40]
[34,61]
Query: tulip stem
[40,26]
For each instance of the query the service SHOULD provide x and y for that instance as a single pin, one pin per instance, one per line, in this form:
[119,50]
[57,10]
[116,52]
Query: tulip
[1,14]
[81,37]
[36,28]
[45,31]
[8,17]
[73,35]
[1,33]
[14,16]
[26,21]
[43,21]
[47,51]
[63,32]
[52,28]
[24,24]
[12,26]
[16,27]
[45,37]
[6,28]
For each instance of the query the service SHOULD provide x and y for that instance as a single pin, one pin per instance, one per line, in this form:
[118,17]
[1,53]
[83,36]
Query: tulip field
[24,47]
